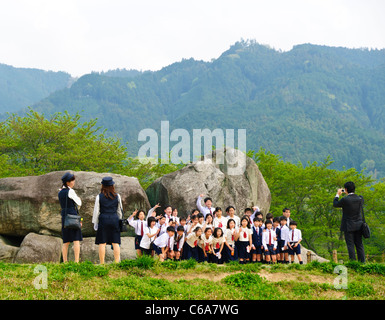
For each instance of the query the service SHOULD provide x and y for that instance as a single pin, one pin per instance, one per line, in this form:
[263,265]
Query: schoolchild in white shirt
[244,241]
[206,245]
[219,221]
[231,235]
[282,243]
[230,211]
[207,208]
[190,248]
[179,241]
[150,233]
[139,226]
[208,222]
[164,245]
[218,244]
[269,244]
[294,238]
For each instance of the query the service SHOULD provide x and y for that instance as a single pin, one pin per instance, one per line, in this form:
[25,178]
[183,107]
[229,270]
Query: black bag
[72,221]
[364,228]
[123,223]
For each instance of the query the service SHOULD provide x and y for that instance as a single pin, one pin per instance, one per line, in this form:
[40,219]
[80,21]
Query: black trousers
[353,241]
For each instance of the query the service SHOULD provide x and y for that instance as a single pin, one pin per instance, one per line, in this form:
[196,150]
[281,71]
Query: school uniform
[204,209]
[243,242]
[190,247]
[191,228]
[220,223]
[217,243]
[230,255]
[205,246]
[268,242]
[293,237]
[107,213]
[146,242]
[163,228]
[67,197]
[284,234]
[162,242]
[257,240]
[278,236]
[236,219]
[139,226]
[179,241]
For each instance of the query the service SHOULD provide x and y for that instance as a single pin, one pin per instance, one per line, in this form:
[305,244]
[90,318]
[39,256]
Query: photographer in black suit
[351,222]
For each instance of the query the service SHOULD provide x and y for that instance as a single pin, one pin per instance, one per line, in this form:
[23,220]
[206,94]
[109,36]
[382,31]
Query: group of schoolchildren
[207,235]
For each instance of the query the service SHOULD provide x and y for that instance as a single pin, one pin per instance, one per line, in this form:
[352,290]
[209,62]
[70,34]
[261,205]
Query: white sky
[80,36]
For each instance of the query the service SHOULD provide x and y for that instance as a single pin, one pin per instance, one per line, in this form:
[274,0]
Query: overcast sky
[80,36]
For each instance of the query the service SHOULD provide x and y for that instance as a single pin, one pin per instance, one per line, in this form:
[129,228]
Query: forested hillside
[21,87]
[304,104]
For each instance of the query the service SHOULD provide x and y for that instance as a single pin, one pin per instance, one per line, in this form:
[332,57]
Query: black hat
[107,181]
[68,176]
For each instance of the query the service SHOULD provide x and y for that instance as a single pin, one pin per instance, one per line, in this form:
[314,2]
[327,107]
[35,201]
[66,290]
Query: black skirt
[70,235]
[108,229]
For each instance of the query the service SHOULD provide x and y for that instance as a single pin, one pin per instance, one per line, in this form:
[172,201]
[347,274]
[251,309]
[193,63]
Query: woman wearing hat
[68,201]
[107,212]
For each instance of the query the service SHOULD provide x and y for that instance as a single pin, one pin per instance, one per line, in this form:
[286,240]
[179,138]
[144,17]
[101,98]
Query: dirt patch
[193,276]
[282,276]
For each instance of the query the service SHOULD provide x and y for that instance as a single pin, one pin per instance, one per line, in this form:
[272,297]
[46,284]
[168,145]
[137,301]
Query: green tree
[34,144]
[309,190]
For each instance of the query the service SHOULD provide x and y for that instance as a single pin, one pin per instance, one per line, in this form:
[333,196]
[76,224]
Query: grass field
[147,279]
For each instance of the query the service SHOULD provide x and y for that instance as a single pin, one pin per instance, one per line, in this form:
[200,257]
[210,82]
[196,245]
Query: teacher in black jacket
[351,222]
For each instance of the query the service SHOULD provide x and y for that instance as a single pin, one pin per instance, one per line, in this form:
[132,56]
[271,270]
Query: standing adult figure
[107,212]
[351,222]
[68,201]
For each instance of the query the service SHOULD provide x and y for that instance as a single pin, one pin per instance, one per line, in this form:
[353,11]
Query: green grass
[145,278]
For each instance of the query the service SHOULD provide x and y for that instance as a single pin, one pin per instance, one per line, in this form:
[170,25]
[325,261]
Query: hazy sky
[80,36]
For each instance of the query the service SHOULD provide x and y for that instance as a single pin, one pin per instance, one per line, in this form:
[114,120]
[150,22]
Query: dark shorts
[270,250]
[296,250]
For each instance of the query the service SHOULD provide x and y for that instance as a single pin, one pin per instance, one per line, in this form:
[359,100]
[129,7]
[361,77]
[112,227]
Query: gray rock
[89,251]
[30,204]
[7,252]
[37,248]
[234,181]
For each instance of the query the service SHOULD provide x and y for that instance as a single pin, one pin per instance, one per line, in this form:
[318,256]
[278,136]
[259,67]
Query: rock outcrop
[234,180]
[30,204]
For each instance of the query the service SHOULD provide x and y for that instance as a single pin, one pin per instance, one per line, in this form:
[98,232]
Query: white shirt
[284,233]
[230,235]
[191,238]
[204,209]
[204,242]
[217,242]
[95,217]
[220,223]
[165,241]
[236,219]
[72,195]
[163,228]
[137,224]
[179,242]
[242,232]
[294,235]
[146,240]
[268,237]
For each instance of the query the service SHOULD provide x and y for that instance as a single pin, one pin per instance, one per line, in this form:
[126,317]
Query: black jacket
[351,212]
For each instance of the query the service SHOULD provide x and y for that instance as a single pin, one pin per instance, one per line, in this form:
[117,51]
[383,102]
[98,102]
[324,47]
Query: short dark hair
[268,222]
[350,187]
[293,223]
[169,228]
[228,208]
[284,209]
[206,199]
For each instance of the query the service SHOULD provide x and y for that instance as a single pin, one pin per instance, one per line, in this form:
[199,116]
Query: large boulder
[30,204]
[228,176]
[37,248]
[89,251]
[7,251]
